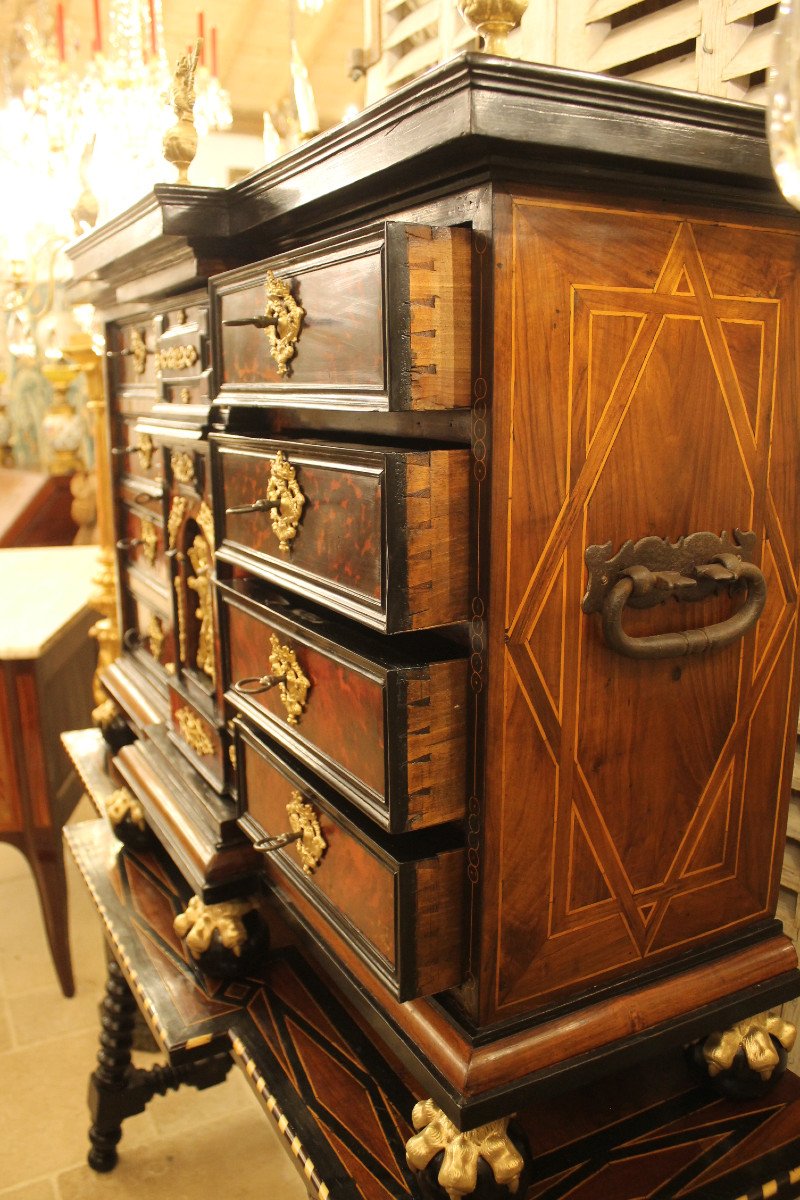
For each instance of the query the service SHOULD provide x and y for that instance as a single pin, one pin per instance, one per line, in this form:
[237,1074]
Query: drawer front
[197,737]
[380,535]
[131,347]
[388,732]
[141,541]
[402,915]
[136,452]
[182,345]
[377,321]
[148,626]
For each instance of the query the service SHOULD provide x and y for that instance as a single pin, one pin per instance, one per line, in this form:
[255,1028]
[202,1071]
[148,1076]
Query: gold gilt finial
[180,141]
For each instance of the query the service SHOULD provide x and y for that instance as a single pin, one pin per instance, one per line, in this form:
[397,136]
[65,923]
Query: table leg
[47,863]
[117,1089]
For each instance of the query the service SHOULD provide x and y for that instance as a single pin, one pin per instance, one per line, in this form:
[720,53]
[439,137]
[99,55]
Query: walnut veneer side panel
[646,383]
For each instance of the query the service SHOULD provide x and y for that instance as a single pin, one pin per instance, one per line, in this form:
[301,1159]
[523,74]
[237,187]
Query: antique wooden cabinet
[459,547]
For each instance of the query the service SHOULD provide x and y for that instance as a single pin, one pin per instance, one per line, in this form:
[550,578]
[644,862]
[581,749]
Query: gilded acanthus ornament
[145,448]
[205,520]
[293,684]
[458,1174]
[199,922]
[285,493]
[200,582]
[121,805]
[193,732]
[155,636]
[180,596]
[149,541]
[754,1036]
[175,519]
[182,466]
[138,351]
[287,316]
[176,358]
[311,845]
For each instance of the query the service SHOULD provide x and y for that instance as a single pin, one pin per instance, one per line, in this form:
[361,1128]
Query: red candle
[62,54]
[98,35]
[153,46]
[214,50]
[201,33]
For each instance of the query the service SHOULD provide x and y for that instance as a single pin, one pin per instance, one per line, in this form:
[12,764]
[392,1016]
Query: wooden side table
[340,1105]
[46,665]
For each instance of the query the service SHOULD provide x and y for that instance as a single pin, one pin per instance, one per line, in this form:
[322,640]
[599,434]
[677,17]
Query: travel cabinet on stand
[459,539]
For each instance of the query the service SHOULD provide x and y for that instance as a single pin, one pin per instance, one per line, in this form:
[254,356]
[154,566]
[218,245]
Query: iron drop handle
[269,845]
[254,685]
[261,505]
[259,320]
[639,581]
[129,543]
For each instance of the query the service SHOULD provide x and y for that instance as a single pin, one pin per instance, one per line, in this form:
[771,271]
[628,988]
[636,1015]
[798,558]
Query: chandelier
[98,127]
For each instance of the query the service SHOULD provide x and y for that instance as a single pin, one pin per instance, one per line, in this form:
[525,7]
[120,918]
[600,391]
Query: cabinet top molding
[472,114]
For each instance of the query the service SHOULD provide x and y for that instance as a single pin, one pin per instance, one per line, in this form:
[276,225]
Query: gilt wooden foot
[746,1060]
[227,940]
[127,820]
[491,1162]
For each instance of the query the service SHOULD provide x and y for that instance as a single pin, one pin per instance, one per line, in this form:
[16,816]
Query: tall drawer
[377,321]
[397,900]
[147,623]
[384,724]
[380,534]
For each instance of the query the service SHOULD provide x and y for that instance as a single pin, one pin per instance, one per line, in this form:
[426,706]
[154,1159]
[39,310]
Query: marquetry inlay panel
[650,392]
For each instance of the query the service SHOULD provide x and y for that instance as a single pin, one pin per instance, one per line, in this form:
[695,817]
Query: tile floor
[187,1144]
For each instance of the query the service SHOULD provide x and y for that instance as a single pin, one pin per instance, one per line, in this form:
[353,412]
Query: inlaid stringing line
[320,1189]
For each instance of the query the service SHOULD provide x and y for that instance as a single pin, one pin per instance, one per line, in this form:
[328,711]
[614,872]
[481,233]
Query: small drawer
[148,628]
[197,737]
[141,537]
[381,320]
[383,723]
[379,534]
[398,901]
[182,346]
[131,348]
[137,453]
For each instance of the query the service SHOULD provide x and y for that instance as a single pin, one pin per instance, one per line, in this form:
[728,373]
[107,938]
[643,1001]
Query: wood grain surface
[646,376]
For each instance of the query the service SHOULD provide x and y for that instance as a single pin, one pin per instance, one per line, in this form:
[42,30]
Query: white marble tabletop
[42,590]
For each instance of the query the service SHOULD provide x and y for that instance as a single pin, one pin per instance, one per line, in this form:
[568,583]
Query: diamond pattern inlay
[641,363]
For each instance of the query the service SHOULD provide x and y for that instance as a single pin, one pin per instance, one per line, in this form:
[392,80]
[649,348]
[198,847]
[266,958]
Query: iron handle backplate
[654,570]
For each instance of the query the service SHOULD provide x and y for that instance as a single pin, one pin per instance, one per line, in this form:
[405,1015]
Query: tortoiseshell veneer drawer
[383,723]
[398,901]
[379,534]
[379,321]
